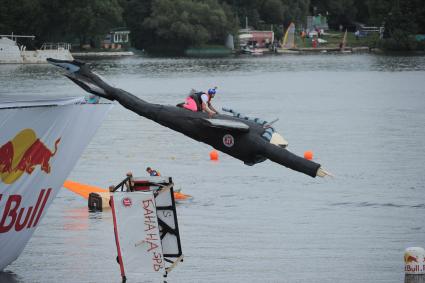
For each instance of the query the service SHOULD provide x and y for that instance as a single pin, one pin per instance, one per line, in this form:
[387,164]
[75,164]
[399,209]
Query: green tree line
[56,20]
[178,24]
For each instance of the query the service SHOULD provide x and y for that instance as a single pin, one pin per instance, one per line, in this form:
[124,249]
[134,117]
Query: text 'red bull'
[415,268]
[17,217]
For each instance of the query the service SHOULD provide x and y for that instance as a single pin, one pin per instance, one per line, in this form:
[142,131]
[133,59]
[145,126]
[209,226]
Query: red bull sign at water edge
[414,260]
[40,142]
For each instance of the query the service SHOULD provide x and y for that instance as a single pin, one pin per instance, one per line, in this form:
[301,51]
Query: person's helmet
[211,91]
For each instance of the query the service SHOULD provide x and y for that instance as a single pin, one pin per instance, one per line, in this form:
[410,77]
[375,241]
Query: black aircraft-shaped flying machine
[249,140]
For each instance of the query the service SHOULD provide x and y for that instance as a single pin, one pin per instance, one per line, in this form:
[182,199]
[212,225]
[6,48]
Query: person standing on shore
[303,35]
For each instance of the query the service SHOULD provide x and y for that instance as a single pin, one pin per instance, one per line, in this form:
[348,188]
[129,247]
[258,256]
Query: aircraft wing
[228,124]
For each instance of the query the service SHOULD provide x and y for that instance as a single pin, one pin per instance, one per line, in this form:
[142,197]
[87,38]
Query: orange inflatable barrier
[180,196]
[82,189]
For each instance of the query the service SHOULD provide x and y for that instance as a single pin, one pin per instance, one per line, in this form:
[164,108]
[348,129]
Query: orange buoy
[181,196]
[214,155]
[308,155]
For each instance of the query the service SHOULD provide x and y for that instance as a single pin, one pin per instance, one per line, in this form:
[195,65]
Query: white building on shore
[12,53]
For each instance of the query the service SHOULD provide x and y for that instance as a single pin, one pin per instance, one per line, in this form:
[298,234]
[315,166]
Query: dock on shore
[102,54]
[321,50]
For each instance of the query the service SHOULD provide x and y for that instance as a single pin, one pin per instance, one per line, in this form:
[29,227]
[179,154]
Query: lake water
[362,115]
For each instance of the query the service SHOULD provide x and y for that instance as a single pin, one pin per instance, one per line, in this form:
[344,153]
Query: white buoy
[414,260]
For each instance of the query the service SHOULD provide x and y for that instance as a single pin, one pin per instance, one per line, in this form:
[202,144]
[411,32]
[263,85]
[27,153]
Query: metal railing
[14,36]
[371,29]
[56,46]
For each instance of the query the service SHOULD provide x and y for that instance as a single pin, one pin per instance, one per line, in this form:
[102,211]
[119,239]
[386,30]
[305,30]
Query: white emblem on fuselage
[228,140]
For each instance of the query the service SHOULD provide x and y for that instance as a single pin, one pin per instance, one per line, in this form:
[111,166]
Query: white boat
[13,53]
[41,140]
[252,51]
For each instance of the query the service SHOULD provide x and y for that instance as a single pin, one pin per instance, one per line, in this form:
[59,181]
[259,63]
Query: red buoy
[214,155]
[308,155]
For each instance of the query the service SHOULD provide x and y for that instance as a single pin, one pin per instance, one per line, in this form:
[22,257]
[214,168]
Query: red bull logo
[22,154]
[414,260]
[409,258]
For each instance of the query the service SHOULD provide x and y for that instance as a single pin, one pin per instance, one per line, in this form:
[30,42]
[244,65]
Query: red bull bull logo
[22,154]
[409,258]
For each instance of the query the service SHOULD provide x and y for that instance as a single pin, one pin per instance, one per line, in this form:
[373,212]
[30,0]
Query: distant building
[317,22]
[255,38]
[116,39]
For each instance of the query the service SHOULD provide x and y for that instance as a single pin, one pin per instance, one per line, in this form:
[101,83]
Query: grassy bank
[334,38]
[208,51]
[372,40]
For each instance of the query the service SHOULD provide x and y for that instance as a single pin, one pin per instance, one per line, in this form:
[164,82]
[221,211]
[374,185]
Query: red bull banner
[414,260]
[137,235]
[40,142]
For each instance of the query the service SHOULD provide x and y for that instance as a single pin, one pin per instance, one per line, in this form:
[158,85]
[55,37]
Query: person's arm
[212,108]
[205,106]
[207,109]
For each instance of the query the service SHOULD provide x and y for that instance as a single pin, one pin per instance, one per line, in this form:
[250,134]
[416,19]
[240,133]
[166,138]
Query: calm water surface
[362,116]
